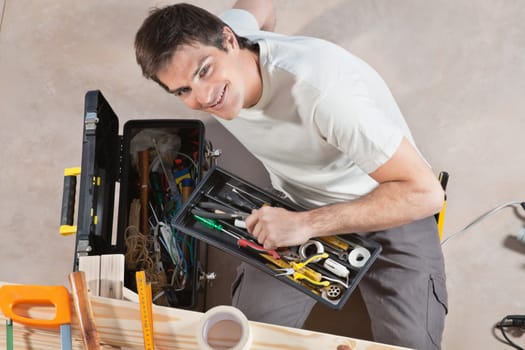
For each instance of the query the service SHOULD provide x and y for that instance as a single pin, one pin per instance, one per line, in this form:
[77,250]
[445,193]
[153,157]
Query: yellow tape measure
[146,309]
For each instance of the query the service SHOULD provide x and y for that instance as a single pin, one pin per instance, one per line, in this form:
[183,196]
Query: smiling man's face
[209,79]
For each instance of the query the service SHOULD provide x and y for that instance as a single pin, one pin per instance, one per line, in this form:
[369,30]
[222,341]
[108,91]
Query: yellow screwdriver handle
[336,242]
[30,295]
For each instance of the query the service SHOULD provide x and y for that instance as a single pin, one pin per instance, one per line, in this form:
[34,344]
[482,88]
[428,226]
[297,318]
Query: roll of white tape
[358,256]
[237,330]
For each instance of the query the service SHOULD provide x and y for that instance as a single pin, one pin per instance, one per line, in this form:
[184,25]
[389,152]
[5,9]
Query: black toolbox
[328,269]
[155,165]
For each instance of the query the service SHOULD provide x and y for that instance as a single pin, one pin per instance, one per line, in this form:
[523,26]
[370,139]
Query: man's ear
[229,41]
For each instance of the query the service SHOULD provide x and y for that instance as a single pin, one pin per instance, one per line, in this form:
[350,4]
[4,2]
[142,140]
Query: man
[330,134]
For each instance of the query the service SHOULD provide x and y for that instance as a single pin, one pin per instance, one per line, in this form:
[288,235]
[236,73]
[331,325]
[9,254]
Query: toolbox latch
[211,155]
[83,247]
[91,121]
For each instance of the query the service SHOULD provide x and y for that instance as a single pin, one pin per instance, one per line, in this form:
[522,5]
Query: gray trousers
[404,291]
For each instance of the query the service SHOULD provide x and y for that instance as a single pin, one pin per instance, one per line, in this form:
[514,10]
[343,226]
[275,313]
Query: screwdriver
[241,242]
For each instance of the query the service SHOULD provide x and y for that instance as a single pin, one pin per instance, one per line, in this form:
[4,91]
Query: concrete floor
[455,66]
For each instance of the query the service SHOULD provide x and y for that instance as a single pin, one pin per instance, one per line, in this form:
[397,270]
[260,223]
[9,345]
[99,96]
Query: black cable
[516,321]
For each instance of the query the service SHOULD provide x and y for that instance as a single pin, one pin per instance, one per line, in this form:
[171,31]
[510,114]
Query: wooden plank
[119,324]
[111,275]
[91,267]
[129,295]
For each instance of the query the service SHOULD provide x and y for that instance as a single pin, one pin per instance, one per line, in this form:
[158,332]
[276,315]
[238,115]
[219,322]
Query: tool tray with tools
[328,269]
[156,163]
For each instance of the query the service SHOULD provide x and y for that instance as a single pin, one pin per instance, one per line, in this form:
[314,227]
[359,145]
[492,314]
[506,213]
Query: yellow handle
[441,220]
[308,272]
[58,296]
[300,276]
[311,274]
[336,242]
[316,257]
[68,201]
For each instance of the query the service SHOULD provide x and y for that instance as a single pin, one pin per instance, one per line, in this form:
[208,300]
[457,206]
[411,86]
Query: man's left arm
[407,191]
[262,10]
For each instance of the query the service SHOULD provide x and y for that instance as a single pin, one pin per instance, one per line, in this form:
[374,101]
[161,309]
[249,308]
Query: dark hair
[165,29]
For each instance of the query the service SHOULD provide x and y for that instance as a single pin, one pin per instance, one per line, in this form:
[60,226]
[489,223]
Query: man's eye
[204,70]
[181,92]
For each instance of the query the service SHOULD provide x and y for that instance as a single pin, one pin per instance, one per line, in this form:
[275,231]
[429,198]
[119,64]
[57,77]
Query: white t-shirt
[325,120]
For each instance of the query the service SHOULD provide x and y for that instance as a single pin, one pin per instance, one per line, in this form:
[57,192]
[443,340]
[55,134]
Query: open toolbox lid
[146,174]
[218,186]
[100,169]
[105,177]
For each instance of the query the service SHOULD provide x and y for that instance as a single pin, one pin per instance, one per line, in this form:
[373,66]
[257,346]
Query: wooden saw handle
[84,311]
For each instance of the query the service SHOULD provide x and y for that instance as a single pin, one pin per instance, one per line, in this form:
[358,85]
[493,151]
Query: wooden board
[119,325]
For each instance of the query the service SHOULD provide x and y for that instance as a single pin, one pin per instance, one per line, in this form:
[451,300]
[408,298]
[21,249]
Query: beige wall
[457,68]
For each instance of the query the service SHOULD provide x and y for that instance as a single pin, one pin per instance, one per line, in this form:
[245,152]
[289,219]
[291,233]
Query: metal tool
[13,295]
[313,258]
[300,276]
[212,210]
[332,293]
[146,309]
[296,270]
[245,194]
[241,242]
[289,254]
[239,201]
[341,254]
[9,334]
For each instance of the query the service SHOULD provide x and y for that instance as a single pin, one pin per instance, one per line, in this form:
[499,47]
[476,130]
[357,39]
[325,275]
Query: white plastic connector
[239,223]
[336,268]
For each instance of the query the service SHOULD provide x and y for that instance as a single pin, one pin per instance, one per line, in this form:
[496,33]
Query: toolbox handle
[68,201]
[58,296]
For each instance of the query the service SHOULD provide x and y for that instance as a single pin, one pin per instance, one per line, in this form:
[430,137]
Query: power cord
[511,321]
[483,216]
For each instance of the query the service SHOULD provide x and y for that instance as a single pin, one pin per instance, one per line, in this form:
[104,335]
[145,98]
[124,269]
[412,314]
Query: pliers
[298,271]
[300,276]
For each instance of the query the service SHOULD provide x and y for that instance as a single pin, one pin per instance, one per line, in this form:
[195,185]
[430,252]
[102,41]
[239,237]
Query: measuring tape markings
[146,309]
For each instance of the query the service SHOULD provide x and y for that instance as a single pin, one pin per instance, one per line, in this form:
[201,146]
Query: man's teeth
[220,97]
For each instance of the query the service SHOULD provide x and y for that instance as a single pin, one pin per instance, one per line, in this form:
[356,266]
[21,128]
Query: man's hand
[277,227]
[407,191]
